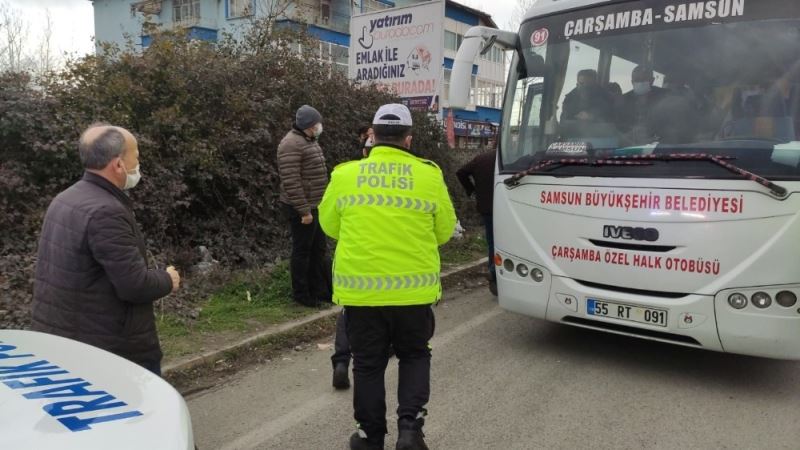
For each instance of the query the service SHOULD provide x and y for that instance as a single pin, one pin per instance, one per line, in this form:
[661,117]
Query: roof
[482,14]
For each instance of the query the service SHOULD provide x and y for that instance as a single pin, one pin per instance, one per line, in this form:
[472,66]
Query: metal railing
[189,22]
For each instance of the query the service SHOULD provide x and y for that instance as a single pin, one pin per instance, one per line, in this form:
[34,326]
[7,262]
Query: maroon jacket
[478,176]
[92,281]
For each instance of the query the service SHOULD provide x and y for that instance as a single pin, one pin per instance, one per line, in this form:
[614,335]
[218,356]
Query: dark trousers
[341,344]
[310,266]
[489,228]
[152,366]
[371,331]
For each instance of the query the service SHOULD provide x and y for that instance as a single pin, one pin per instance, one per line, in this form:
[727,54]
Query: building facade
[122,22]
[476,126]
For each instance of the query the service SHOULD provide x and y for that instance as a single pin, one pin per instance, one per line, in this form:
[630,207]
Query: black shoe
[359,443]
[409,433]
[409,439]
[493,288]
[341,377]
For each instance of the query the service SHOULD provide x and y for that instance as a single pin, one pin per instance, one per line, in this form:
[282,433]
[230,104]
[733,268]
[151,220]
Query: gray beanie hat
[307,117]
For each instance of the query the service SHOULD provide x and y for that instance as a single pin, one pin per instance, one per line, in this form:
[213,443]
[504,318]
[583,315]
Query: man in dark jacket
[589,101]
[639,116]
[304,177]
[477,176]
[92,282]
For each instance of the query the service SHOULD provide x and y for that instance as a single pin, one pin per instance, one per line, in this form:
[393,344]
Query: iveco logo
[630,233]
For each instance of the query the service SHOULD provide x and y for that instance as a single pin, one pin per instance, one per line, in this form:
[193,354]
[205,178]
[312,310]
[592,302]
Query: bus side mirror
[461,76]
[488,45]
[476,40]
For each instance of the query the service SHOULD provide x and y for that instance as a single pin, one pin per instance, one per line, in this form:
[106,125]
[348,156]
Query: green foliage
[469,248]
[252,299]
[208,118]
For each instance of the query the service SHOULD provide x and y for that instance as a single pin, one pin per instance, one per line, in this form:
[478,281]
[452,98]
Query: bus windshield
[659,76]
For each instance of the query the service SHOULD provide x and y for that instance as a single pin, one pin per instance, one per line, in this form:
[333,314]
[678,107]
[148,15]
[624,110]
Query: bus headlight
[737,300]
[508,265]
[537,275]
[522,270]
[761,300]
[787,299]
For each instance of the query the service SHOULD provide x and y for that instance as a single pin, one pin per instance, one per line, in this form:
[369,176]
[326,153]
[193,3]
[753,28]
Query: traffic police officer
[389,213]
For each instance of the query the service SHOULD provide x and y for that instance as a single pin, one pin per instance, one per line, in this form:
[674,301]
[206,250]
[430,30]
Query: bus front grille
[608,287]
[596,324]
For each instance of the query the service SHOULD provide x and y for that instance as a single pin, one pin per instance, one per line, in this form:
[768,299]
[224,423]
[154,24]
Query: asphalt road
[502,381]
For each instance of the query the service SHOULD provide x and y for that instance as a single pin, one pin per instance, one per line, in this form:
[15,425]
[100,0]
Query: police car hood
[676,236]
[56,393]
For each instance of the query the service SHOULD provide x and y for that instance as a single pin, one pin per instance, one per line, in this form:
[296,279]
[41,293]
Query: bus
[648,173]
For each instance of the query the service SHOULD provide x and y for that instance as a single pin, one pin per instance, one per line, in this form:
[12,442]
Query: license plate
[650,316]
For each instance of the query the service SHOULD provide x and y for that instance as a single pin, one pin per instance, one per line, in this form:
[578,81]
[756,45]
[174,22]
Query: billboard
[400,50]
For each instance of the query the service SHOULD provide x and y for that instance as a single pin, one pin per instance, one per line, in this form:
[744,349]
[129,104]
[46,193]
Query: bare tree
[518,15]
[14,35]
[273,10]
[3,46]
[262,20]
[46,60]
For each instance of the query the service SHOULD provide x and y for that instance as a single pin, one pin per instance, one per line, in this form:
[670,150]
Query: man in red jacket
[477,176]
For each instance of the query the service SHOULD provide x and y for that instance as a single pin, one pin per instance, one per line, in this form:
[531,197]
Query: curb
[214,355]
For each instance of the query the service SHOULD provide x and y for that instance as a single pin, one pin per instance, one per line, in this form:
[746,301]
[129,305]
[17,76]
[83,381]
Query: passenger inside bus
[589,101]
[736,95]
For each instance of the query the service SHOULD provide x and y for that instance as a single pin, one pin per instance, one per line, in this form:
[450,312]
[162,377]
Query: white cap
[393,114]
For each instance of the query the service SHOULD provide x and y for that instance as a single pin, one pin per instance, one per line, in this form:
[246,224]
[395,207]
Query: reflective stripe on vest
[385,283]
[394,201]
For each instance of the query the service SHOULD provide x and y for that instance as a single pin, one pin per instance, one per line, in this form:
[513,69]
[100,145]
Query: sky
[73,23]
[73,20]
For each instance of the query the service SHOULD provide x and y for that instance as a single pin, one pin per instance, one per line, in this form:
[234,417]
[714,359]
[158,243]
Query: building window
[446,85]
[494,55]
[184,11]
[373,5]
[473,91]
[240,8]
[334,55]
[450,40]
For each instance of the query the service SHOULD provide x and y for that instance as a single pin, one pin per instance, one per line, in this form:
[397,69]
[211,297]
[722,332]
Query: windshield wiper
[645,160]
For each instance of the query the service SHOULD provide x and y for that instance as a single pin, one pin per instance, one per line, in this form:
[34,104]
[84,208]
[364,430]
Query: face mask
[132,179]
[641,88]
[369,142]
[317,130]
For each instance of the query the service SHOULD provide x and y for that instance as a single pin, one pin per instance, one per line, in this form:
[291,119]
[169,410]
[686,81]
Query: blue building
[122,21]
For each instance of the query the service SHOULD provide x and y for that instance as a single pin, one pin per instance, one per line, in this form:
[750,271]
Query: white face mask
[641,88]
[317,129]
[132,179]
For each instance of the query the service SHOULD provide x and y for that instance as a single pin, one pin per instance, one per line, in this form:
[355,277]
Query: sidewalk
[320,320]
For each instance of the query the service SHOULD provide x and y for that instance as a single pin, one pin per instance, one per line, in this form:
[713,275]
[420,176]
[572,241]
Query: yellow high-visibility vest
[389,213]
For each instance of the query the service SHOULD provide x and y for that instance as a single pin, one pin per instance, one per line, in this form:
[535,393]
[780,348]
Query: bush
[208,118]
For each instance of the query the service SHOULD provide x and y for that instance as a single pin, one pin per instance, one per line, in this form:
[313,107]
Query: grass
[253,300]
[467,249]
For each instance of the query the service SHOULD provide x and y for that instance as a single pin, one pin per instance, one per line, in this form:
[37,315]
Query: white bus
[648,177]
